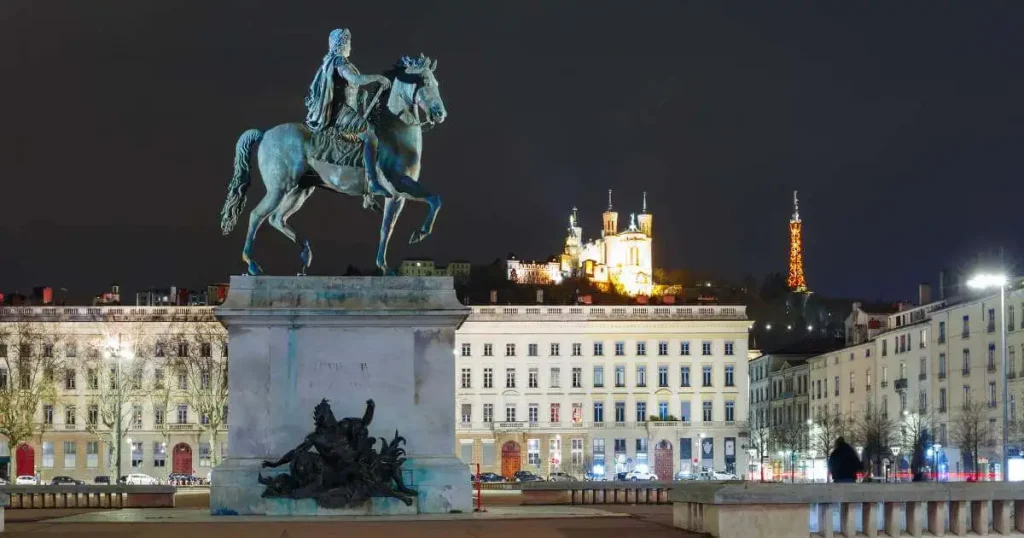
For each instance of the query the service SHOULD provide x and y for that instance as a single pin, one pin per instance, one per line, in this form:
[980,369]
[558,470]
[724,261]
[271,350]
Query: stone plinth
[296,340]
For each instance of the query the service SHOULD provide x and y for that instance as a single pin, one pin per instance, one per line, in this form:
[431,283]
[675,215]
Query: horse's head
[414,90]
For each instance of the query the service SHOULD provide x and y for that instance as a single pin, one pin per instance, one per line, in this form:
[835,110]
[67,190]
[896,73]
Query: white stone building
[613,388]
[69,356]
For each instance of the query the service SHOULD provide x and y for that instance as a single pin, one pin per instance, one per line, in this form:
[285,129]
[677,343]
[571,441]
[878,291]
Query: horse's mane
[399,71]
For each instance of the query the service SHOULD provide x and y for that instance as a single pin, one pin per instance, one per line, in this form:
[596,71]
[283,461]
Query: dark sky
[902,125]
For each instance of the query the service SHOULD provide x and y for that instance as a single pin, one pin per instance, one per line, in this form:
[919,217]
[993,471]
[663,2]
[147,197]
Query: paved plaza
[504,517]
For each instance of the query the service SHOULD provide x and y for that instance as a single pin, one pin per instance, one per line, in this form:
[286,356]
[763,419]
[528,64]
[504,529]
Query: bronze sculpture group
[351,143]
[338,466]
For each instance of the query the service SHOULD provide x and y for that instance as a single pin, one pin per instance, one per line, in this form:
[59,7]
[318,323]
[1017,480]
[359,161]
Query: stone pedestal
[295,340]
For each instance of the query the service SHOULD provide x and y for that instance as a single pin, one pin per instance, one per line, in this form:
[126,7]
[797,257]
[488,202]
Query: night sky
[901,124]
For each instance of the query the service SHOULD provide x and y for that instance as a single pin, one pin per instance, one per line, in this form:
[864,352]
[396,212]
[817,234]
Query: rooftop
[584,313]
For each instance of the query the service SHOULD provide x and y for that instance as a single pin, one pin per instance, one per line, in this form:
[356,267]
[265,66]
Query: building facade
[458,269]
[162,367]
[583,389]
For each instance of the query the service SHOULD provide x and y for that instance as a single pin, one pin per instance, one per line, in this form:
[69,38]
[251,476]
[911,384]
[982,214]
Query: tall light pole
[114,347]
[988,281]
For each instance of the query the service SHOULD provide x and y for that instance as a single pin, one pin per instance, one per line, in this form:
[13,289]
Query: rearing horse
[291,173]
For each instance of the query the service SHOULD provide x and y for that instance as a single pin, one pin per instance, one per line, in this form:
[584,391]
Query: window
[158,378]
[510,378]
[885,347]
[620,348]
[598,349]
[967,395]
[942,365]
[92,416]
[620,447]
[47,454]
[555,412]
[729,348]
[991,357]
[706,376]
[837,383]
[510,412]
[662,349]
[684,414]
[706,410]
[641,376]
[903,369]
[467,350]
[853,380]
[533,451]
[136,454]
[1011,360]
[598,412]
[183,349]
[641,451]
[641,411]
[158,415]
[488,413]
[70,453]
[577,350]
[69,379]
[554,350]
[92,454]
[510,350]
[992,394]
[488,378]
[113,379]
[924,339]
[663,376]
[867,352]
[966,369]
[48,350]
[598,452]
[466,378]
[729,376]
[488,350]
[3,350]
[159,454]
[641,348]
[903,401]
[556,378]
[684,348]
[922,402]
[183,414]
[620,412]
[705,348]
[48,414]
[662,410]
[967,327]
[598,376]
[531,350]
[70,415]
[182,379]
[533,379]
[533,413]
[730,411]
[923,368]
[25,350]
[3,378]
[577,378]
[467,413]
[576,452]
[684,376]
[620,376]
[991,320]
[942,332]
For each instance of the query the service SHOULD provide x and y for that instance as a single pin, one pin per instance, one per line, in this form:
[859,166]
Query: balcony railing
[178,426]
[70,426]
[548,426]
[110,313]
[573,313]
[965,372]
[900,384]
[922,376]
[883,384]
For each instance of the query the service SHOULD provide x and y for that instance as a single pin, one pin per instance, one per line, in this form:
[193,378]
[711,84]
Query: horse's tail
[240,181]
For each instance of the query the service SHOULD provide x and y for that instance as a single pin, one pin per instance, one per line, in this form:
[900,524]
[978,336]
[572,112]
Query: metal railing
[568,313]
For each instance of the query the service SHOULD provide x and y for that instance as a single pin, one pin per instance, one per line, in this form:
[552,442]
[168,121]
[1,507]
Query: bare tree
[200,362]
[760,438]
[972,430]
[115,363]
[828,427]
[876,433]
[31,357]
[790,437]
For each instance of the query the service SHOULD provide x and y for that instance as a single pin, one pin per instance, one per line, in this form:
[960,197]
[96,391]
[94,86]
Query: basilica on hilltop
[618,259]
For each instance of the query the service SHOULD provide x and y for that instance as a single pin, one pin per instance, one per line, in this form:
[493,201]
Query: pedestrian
[843,463]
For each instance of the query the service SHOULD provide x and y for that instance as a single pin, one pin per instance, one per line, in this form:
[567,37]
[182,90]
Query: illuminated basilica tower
[796,280]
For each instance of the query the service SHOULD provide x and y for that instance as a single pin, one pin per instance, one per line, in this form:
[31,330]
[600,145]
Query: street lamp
[988,281]
[115,352]
[935,456]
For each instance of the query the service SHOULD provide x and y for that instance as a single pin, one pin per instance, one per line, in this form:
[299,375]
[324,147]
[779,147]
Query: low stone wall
[792,510]
[585,492]
[90,496]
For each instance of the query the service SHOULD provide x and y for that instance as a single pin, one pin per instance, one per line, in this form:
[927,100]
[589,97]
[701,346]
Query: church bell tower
[610,219]
[645,219]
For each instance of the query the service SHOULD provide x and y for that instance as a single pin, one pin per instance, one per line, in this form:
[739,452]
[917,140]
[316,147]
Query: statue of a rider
[333,101]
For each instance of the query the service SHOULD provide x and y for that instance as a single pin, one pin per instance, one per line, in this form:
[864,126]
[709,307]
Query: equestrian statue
[350,143]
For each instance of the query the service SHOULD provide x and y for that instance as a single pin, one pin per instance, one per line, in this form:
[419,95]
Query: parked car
[723,475]
[562,477]
[139,479]
[594,477]
[65,481]
[640,475]
[26,480]
[619,477]
[183,479]
[526,476]
[3,482]
[685,475]
[489,477]
[101,480]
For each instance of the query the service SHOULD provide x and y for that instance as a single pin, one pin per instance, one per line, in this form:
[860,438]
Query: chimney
[942,285]
[924,294]
[494,296]
[540,296]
